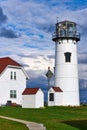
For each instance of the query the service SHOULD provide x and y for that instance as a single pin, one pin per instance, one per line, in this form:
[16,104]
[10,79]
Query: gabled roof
[57,89]
[30,91]
[6,61]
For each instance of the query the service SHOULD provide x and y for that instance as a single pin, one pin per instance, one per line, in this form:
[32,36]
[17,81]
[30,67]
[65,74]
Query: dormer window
[67,57]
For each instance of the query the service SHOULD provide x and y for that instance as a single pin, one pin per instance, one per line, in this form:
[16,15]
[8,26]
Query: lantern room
[66,30]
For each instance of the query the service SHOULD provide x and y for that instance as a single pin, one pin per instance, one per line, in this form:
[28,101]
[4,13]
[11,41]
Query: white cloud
[34,21]
[38,62]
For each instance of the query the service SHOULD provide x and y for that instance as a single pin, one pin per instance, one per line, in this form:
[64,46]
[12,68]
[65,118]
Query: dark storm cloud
[39,81]
[49,28]
[82,59]
[83,83]
[8,33]
[4,32]
[3,17]
[83,30]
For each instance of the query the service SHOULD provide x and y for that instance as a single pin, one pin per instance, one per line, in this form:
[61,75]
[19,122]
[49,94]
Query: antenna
[57,19]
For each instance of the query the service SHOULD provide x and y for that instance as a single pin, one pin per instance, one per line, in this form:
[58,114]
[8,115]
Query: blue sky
[26,28]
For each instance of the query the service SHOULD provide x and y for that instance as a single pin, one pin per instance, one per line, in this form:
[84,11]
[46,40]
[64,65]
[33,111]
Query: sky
[26,28]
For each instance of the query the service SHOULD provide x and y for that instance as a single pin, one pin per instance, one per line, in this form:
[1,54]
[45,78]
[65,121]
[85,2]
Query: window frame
[14,75]
[11,75]
[13,94]
[51,97]
[67,56]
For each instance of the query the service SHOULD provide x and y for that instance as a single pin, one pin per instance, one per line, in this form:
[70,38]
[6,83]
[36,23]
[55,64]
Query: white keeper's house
[12,81]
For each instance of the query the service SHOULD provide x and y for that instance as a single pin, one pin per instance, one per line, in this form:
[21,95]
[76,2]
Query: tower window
[51,97]
[67,57]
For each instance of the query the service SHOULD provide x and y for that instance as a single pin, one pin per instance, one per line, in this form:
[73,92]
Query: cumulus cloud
[38,63]
[35,21]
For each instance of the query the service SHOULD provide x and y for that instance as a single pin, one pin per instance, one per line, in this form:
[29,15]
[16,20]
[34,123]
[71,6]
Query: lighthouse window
[67,57]
[51,97]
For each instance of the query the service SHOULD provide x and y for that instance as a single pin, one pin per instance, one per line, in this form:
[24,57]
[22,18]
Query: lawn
[11,125]
[54,118]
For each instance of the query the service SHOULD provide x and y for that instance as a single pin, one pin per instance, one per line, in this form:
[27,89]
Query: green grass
[11,125]
[54,118]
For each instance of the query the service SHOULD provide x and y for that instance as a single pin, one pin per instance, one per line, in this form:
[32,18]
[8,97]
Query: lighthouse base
[56,98]
[70,99]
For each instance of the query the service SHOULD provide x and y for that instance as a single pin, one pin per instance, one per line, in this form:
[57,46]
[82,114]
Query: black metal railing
[75,35]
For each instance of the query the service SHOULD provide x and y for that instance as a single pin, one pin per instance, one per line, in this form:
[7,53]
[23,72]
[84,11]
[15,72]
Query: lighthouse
[66,79]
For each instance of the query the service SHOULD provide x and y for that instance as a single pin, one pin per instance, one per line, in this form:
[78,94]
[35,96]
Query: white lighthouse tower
[66,64]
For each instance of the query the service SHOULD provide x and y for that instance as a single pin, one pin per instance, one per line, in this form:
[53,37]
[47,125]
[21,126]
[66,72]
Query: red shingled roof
[4,62]
[57,89]
[29,91]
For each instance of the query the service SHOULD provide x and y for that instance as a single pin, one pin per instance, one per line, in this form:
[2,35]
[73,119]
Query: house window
[67,57]
[51,97]
[11,75]
[14,75]
[13,94]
